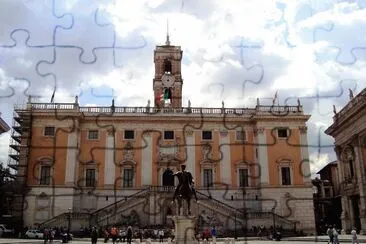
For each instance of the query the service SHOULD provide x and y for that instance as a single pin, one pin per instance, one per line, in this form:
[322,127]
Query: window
[282,133]
[129,134]
[45,178]
[93,135]
[207,177]
[240,135]
[49,131]
[127,177]
[206,135]
[286,176]
[167,66]
[243,178]
[168,135]
[90,178]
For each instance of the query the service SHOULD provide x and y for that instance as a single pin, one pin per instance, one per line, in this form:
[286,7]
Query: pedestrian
[161,235]
[94,235]
[213,232]
[46,233]
[354,236]
[106,235]
[129,234]
[330,234]
[114,233]
[335,236]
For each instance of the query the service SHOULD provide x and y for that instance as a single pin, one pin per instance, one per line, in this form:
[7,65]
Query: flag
[275,97]
[166,96]
[53,96]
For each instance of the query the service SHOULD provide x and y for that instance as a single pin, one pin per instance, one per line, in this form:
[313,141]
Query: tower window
[167,66]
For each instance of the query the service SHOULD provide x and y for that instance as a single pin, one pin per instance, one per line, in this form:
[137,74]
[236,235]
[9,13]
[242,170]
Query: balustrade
[154,110]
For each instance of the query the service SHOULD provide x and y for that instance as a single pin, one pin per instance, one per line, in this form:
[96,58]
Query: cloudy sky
[234,51]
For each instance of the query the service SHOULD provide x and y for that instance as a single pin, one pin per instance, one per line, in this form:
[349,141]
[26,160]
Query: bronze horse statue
[184,190]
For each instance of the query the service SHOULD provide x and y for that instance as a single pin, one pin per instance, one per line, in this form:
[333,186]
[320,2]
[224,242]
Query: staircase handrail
[64,215]
[121,201]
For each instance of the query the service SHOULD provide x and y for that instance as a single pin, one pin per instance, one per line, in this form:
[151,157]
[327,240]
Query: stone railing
[258,110]
[356,102]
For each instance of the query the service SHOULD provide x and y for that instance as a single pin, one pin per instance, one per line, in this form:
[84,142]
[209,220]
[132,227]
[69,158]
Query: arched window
[167,66]
[168,178]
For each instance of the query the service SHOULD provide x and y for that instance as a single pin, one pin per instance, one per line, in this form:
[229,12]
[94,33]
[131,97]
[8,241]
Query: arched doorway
[168,178]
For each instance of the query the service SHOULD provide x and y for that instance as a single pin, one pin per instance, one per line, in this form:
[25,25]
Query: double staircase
[137,207]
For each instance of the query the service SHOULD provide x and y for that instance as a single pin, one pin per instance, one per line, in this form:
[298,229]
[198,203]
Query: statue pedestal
[184,229]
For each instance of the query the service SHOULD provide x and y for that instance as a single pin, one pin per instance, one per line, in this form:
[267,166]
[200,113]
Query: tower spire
[167,42]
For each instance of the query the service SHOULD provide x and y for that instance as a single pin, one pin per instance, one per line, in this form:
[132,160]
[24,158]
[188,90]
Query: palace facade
[103,165]
[349,131]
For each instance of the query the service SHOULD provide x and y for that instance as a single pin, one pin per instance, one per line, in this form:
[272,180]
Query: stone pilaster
[109,164]
[261,139]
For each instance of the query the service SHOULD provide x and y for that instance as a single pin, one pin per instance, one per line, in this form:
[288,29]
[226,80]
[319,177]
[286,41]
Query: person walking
[330,235]
[94,236]
[354,236]
[161,235]
[129,234]
[335,236]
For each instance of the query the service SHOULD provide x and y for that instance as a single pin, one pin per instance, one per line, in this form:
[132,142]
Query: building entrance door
[356,211]
[168,178]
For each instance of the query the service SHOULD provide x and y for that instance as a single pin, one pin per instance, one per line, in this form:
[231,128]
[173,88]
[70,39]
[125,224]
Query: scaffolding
[20,142]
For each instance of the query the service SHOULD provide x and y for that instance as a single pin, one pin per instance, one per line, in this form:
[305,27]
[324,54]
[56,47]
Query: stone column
[345,214]
[360,180]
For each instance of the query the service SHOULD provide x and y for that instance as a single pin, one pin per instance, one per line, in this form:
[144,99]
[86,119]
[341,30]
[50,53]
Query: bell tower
[167,83]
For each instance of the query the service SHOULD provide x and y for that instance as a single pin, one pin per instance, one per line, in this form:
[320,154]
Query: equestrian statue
[185,189]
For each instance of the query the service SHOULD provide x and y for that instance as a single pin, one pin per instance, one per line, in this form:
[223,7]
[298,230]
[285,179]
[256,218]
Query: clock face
[168,80]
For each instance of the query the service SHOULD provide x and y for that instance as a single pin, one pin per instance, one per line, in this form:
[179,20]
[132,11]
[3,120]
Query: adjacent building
[103,165]
[349,131]
[327,198]
[4,127]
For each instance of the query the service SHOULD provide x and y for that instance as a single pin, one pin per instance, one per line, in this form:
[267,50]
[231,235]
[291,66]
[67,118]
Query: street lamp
[315,194]
[69,219]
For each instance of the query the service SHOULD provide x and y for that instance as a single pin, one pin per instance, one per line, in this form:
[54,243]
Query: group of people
[115,234]
[333,235]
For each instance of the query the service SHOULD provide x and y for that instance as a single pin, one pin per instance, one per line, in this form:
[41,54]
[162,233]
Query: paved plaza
[297,240]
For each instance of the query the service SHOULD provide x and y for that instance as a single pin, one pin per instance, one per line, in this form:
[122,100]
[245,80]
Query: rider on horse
[185,179]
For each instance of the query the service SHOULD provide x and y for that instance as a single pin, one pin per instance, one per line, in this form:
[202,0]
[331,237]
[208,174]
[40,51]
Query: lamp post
[69,224]
[315,194]
[235,236]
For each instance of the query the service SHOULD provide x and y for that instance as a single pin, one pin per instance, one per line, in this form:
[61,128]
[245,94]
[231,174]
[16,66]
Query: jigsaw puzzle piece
[37,17]
[92,16]
[21,53]
[335,22]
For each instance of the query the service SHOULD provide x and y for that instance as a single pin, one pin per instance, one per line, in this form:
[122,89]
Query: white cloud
[215,68]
